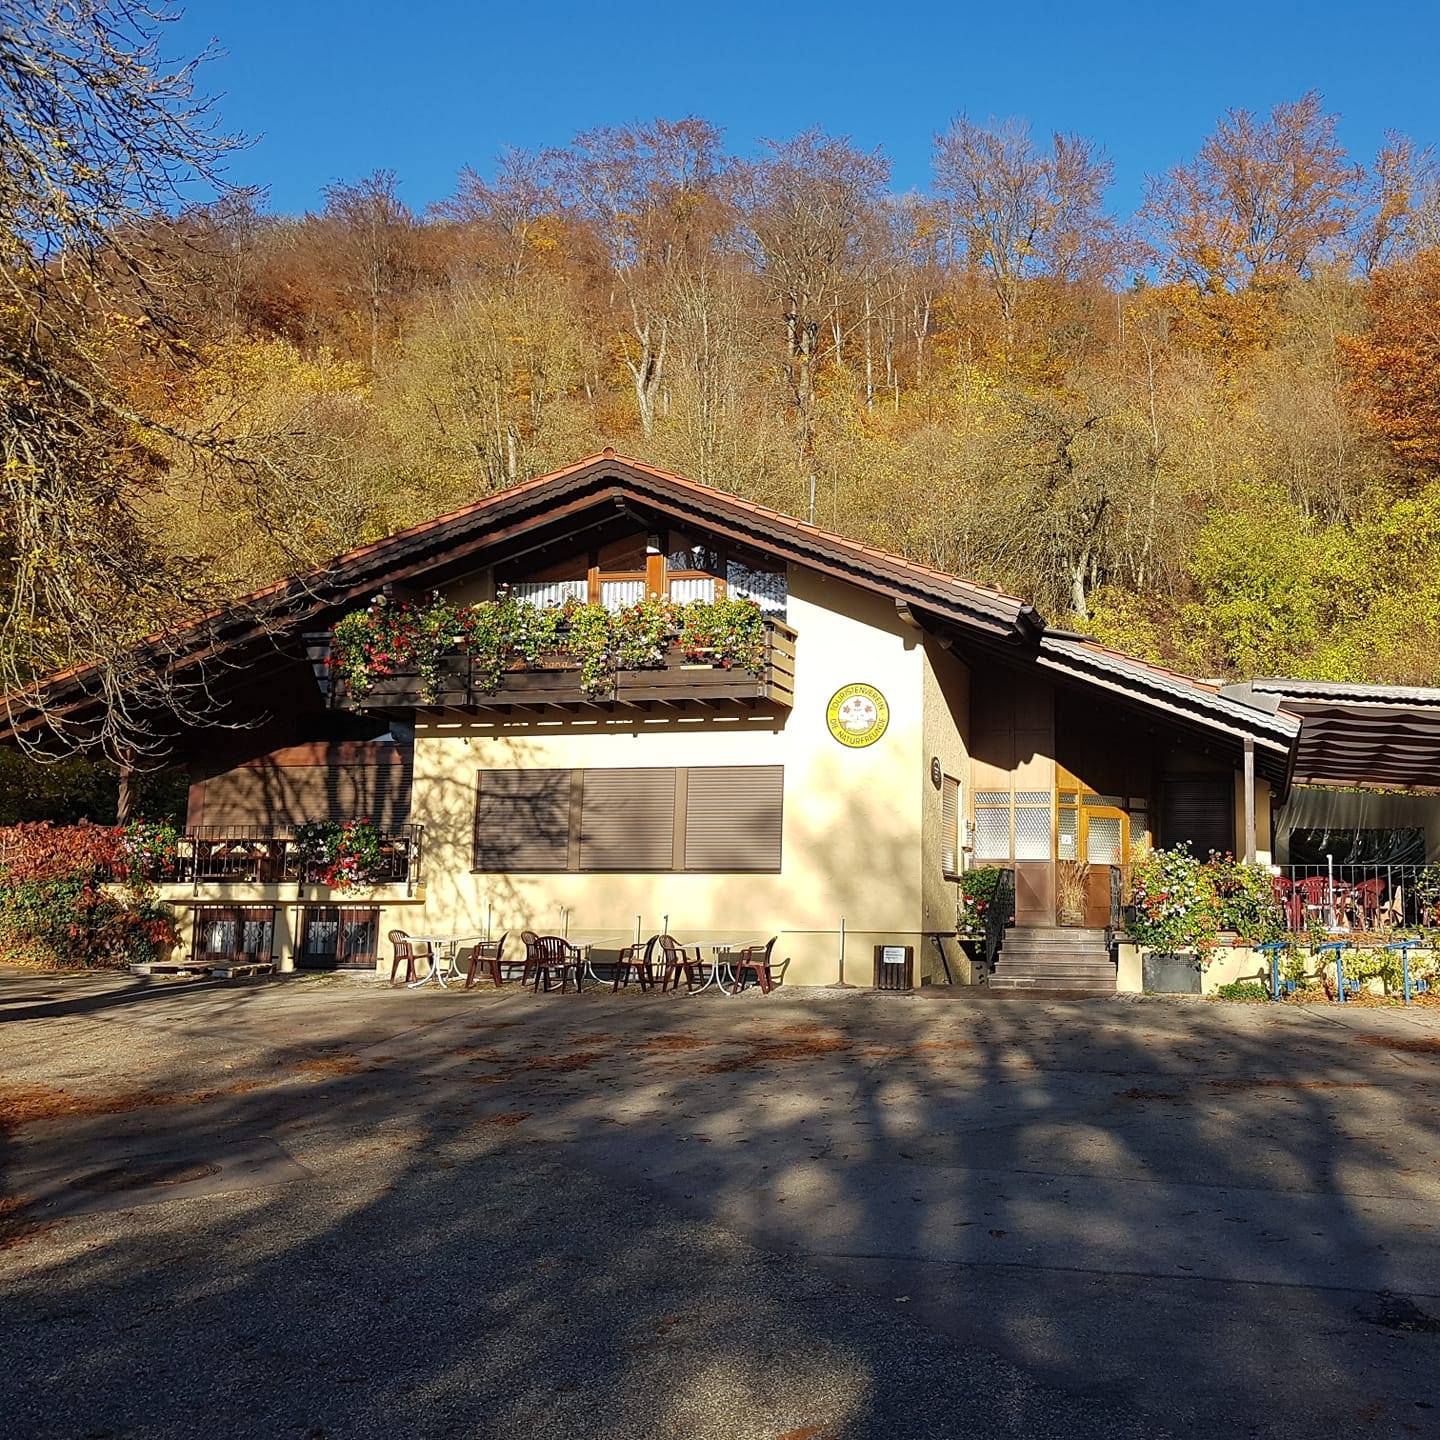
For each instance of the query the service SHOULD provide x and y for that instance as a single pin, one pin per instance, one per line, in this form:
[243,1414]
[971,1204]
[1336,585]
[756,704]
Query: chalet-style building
[897,726]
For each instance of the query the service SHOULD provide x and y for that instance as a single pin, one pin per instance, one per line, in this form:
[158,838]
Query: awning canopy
[1369,736]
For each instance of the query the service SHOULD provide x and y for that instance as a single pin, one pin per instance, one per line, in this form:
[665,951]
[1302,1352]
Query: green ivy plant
[978,891]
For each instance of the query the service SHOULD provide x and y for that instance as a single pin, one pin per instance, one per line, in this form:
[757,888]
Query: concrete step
[1014,965]
[1053,967]
[1053,937]
[1089,951]
[1069,932]
[1047,984]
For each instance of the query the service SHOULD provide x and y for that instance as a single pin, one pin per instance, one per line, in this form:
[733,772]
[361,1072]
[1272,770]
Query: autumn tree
[651,192]
[373,238]
[96,137]
[1021,212]
[1263,201]
[1395,362]
[805,205]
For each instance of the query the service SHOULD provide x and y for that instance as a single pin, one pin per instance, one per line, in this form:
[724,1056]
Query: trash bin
[894,967]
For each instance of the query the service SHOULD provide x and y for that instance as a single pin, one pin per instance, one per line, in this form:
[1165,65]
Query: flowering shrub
[56,906]
[1246,903]
[978,895]
[1175,905]
[342,855]
[148,848]
[725,632]
[1181,903]
[388,639]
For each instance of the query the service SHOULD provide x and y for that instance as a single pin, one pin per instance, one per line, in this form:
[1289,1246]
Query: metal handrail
[999,916]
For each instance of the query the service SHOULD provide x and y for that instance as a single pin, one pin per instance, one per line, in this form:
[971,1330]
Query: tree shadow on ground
[646,1215]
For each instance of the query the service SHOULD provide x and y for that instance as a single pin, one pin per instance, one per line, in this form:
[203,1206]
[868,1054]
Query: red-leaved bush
[73,895]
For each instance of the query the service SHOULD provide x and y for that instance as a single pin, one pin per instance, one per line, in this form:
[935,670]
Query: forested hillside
[1208,431]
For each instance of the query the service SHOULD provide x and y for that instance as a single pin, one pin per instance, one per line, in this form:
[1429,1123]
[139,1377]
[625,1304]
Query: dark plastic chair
[756,959]
[487,955]
[635,957]
[677,959]
[545,955]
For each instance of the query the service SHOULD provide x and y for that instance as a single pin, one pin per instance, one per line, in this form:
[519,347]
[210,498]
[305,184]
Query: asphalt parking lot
[317,1207]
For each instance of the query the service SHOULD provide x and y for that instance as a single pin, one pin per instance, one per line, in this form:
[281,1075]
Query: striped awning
[1368,736]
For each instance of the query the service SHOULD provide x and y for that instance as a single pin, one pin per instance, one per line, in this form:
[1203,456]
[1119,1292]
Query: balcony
[271,855]
[556,680]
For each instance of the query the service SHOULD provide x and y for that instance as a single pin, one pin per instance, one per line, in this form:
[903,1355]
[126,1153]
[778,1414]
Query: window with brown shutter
[522,820]
[705,818]
[627,819]
[733,817]
[950,826]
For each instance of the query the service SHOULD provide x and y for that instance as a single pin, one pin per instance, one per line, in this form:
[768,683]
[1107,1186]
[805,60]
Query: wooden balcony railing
[269,855]
[557,681]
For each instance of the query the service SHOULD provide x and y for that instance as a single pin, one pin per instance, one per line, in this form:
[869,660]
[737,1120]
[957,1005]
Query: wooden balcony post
[1249,784]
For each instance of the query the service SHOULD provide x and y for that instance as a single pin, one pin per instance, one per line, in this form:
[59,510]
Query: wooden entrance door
[1104,846]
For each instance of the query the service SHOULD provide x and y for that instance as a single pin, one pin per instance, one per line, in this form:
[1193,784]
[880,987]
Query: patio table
[442,958]
[718,948]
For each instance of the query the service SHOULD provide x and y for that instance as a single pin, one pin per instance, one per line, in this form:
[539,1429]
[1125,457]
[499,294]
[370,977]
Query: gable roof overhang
[267,629]
[1357,736]
[549,507]
[1188,706]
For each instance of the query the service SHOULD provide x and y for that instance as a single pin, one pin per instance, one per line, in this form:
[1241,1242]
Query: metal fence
[1354,897]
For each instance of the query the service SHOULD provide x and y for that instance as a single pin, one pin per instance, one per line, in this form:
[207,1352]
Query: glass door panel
[1105,835]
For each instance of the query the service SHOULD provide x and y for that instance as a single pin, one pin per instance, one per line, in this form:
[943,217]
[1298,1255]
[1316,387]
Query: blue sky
[332,89]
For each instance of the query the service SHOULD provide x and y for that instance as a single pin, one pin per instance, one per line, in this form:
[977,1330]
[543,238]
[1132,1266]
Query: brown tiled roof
[315,599]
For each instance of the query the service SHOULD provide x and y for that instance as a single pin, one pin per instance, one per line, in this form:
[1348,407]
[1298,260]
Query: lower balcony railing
[271,854]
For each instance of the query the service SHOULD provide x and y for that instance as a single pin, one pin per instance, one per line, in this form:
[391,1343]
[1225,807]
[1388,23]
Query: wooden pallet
[225,970]
[242,969]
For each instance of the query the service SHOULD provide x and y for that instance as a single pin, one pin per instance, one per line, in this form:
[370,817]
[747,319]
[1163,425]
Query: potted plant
[1174,917]
[1071,882]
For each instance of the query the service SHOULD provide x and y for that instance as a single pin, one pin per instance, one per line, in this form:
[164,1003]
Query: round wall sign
[857,715]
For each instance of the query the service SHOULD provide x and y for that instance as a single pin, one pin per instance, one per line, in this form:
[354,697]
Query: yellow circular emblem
[857,715]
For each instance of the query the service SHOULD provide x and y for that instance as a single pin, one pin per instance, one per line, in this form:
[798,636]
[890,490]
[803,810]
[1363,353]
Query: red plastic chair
[756,959]
[1290,903]
[678,959]
[487,955]
[406,949]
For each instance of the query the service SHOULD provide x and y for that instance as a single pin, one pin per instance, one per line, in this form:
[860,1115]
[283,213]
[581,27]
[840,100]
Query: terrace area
[832,1214]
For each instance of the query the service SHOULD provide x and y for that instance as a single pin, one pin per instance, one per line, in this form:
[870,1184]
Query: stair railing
[999,917]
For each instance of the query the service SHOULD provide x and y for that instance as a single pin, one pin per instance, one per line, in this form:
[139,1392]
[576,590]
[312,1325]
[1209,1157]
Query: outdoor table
[442,958]
[718,948]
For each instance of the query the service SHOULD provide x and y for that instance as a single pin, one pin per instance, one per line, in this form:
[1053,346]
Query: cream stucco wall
[851,845]
[945,705]
[1229,963]
[1264,844]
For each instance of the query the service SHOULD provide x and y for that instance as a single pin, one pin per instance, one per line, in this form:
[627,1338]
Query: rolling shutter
[522,820]
[1198,811]
[950,826]
[733,817]
[627,820]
